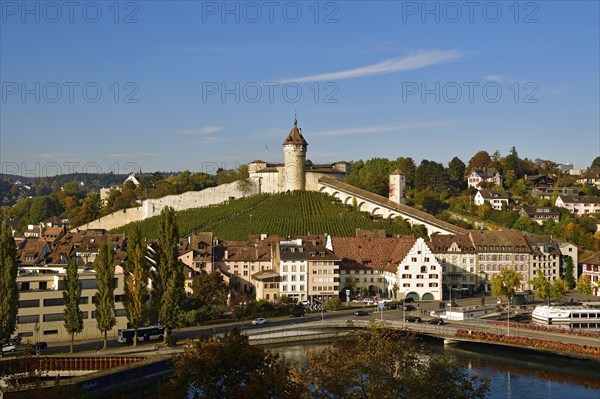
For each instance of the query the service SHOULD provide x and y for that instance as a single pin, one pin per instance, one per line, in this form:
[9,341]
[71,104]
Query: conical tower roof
[295,137]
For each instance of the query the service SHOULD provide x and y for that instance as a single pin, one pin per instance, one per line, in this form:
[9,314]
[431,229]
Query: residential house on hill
[590,177]
[540,214]
[548,192]
[484,175]
[495,198]
[579,205]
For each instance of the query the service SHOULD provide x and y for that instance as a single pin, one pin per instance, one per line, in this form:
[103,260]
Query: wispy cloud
[418,60]
[495,78]
[202,130]
[367,130]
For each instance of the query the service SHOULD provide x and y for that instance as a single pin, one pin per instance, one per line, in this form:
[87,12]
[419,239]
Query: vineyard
[287,214]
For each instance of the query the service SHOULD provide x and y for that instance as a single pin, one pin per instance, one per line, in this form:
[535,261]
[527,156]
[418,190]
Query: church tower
[294,158]
[397,186]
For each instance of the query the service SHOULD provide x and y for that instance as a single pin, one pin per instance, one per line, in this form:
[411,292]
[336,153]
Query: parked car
[38,346]
[413,319]
[392,306]
[437,321]
[361,313]
[305,303]
[409,307]
[409,300]
[10,347]
[258,321]
[296,314]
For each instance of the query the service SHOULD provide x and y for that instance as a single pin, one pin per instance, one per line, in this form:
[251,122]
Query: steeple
[295,137]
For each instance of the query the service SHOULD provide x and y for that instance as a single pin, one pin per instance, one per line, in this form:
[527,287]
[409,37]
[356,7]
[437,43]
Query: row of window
[50,317]
[35,303]
[506,257]
[496,268]
[419,285]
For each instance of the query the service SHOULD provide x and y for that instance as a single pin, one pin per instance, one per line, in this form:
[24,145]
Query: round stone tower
[294,159]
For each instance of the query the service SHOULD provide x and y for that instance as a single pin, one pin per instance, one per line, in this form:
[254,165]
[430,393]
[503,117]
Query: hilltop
[287,214]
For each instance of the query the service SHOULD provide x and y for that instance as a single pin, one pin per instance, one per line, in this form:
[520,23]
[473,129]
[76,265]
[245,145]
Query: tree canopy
[8,284]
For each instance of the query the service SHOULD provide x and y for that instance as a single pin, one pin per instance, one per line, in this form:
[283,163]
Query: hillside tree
[209,289]
[105,294]
[136,282]
[9,299]
[480,160]
[170,285]
[72,295]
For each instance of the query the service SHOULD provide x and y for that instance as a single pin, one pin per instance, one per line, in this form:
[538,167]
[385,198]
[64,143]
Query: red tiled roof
[382,253]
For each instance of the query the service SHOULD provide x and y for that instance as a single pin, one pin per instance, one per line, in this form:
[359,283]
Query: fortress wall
[190,199]
[114,220]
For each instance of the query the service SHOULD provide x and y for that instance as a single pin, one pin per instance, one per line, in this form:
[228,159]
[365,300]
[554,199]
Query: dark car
[360,313]
[409,307]
[40,345]
[296,314]
[413,319]
[409,300]
[392,306]
[437,321]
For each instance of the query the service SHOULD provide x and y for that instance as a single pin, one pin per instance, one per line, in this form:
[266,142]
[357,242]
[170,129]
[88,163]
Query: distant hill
[287,214]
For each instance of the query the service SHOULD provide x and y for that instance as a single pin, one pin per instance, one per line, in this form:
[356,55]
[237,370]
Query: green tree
[480,160]
[431,175]
[72,295]
[9,299]
[569,268]
[595,163]
[542,286]
[456,170]
[41,208]
[105,294]
[559,289]
[333,303]
[170,289]
[209,289]
[407,370]
[505,283]
[229,367]
[136,282]
[584,284]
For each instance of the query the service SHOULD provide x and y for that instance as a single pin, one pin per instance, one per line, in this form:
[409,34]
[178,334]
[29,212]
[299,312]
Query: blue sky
[195,85]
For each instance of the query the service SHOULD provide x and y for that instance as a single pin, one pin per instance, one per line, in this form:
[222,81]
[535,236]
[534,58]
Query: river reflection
[513,374]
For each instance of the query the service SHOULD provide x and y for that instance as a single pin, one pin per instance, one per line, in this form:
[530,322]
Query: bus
[143,334]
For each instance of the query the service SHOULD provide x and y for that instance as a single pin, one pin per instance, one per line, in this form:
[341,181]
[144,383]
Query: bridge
[383,207]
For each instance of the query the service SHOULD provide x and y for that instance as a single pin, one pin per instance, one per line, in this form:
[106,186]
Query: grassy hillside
[290,214]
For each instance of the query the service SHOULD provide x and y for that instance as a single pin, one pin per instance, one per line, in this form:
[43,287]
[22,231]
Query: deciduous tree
[505,283]
[9,297]
[209,289]
[568,261]
[169,287]
[105,294]
[72,295]
[559,289]
[542,286]
[136,282]
[229,367]
[480,160]
[584,284]
[382,363]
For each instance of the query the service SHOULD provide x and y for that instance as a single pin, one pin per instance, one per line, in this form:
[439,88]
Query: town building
[41,304]
[549,192]
[458,258]
[545,256]
[590,266]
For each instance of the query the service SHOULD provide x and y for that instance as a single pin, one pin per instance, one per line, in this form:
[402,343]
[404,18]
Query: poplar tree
[105,294]
[71,295]
[9,299]
[170,289]
[136,282]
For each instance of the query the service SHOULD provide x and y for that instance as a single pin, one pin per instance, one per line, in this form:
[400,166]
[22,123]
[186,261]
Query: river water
[513,374]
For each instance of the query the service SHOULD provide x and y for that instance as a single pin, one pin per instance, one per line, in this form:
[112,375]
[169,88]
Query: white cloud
[418,60]
[366,130]
[495,78]
[202,130]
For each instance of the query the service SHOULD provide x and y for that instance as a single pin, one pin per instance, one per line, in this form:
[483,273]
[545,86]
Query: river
[513,374]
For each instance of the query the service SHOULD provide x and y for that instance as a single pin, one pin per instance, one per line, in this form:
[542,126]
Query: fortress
[295,173]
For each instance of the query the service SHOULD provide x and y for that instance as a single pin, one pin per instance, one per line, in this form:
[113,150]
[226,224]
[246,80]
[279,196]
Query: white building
[496,199]
[420,274]
[579,205]
[293,266]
